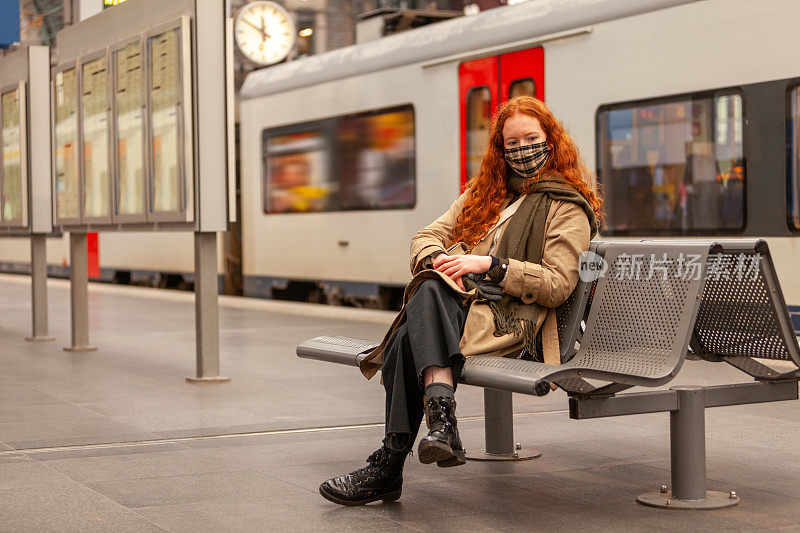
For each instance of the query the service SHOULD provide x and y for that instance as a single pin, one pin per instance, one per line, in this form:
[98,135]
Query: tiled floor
[184,464]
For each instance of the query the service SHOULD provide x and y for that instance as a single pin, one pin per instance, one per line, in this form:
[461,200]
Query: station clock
[265,33]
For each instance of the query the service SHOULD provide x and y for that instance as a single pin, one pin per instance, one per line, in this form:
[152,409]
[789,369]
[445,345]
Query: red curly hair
[487,189]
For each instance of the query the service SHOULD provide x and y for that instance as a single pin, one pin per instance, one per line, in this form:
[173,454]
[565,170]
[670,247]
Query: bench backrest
[572,313]
[742,314]
[641,314]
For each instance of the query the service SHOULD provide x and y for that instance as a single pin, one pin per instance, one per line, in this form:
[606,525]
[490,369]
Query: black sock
[435,390]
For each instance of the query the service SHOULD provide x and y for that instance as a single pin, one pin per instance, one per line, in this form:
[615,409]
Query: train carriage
[688,110]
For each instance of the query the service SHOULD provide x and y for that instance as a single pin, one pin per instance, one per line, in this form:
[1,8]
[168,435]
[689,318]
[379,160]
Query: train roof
[490,29]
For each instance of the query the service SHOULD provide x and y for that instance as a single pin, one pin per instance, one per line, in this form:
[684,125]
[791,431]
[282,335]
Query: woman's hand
[455,266]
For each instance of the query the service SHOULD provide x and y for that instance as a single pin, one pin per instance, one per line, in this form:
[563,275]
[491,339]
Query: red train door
[93,255]
[486,83]
[478,98]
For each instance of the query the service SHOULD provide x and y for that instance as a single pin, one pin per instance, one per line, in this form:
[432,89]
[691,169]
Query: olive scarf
[523,239]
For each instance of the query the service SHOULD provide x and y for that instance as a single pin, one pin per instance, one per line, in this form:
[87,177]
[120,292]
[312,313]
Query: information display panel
[165,123]
[65,95]
[133,128]
[14,190]
[129,131]
[95,138]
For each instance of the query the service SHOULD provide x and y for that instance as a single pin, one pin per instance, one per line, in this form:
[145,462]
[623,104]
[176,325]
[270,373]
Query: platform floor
[116,440]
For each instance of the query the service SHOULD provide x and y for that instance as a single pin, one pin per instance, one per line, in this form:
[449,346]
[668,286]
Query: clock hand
[251,25]
[264,34]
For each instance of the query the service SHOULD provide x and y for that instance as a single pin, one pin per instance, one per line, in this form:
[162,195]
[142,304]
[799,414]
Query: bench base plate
[210,379]
[514,456]
[713,500]
[80,348]
[40,339]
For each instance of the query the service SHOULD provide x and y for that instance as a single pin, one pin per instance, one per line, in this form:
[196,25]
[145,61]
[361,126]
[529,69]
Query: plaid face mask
[528,160]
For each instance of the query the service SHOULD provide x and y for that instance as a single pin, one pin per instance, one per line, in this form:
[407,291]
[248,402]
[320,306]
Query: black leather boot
[381,479]
[442,445]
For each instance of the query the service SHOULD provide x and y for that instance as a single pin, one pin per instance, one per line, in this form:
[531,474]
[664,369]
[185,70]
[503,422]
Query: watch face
[264,32]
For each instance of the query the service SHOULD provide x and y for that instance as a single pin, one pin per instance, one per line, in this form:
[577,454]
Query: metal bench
[634,327]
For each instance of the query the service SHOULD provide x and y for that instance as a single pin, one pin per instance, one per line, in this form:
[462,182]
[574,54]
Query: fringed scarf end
[506,323]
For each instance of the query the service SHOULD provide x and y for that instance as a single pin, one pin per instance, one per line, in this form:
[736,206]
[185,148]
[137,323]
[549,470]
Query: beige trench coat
[567,234]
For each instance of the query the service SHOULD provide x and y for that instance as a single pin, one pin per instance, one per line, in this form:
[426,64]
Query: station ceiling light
[306,32]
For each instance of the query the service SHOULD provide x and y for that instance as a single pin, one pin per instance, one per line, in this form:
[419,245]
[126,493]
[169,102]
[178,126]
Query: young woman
[487,277]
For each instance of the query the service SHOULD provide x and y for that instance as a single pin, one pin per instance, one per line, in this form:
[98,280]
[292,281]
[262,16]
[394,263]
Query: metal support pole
[687,440]
[206,289]
[79,293]
[39,289]
[499,429]
[688,455]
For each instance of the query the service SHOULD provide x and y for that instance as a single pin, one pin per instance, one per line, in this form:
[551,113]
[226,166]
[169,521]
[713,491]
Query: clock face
[264,32]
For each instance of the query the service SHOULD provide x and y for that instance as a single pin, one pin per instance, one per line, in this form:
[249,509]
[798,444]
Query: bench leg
[687,426]
[499,429]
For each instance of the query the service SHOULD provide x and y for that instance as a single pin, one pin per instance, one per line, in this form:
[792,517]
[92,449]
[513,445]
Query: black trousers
[430,336]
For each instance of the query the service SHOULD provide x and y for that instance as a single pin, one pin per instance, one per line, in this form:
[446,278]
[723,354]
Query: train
[688,110]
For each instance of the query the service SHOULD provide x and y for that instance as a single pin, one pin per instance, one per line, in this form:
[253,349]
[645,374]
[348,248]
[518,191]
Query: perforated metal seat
[743,319]
[637,330]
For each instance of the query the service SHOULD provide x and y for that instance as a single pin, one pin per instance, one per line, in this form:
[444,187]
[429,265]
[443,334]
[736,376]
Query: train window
[376,164]
[794,189]
[673,166]
[297,174]
[352,162]
[479,122]
[522,87]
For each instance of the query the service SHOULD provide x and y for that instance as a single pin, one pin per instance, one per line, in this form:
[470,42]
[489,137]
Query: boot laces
[377,460]
[438,416]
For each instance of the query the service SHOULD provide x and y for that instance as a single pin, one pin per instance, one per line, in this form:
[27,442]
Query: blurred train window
[376,163]
[479,122]
[794,189]
[66,137]
[297,172]
[673,166]
[522,87]
[352,162]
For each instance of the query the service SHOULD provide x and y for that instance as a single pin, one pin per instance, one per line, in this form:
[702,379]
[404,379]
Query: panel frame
[22,108]
[66,221]
[105,219]
[115,216]
[39,145]
[3,224]
[186,174]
